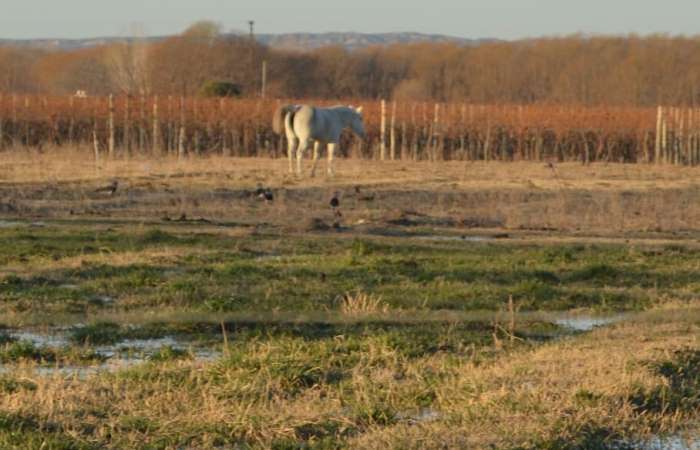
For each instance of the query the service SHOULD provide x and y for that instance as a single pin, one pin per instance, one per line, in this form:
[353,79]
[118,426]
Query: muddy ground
[562,202]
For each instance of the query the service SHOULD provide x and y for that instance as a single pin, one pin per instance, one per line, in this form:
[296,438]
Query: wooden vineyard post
[403,134]
[487,141]
[520,145]
[435,133]
[681,159]
[696,136]
[462,131]
[258,145]
[675,148]
[170,140]
[142,123]
[26,120]
[690,155]
[657,145]
[196,127]
[95,141]
[428,133]
[2,140]
[181,134]
[156,141]
[663,139]
[382,132]
[110,125]
[127,127]
[49,137]
[71,122]
[392,132]
[209,131]
[672,137]
[668,136]
[430,136]
[246,140]
[225,149]
[471,138]
[414,135]
[14,120]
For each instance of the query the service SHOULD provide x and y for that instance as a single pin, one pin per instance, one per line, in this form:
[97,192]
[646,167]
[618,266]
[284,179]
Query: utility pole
[264,78]
[253,59]
[251,24]
[251,36]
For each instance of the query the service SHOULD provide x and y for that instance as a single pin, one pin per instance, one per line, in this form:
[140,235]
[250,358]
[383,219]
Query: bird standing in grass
[267,195]
[264,194]
[335,204]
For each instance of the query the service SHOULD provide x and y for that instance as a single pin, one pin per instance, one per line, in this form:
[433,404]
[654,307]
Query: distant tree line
[629,70]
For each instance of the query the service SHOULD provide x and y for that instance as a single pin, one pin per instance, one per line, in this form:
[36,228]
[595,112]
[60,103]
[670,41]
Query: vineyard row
[119,127]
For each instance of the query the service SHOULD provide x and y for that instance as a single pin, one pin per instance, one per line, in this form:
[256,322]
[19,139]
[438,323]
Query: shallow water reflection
[586,323]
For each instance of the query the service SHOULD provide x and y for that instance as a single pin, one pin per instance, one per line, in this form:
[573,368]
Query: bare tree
[128,64]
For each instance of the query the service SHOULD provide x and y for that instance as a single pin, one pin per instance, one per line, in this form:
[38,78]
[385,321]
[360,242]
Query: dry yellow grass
[361,303]
[520,398]
[79,166]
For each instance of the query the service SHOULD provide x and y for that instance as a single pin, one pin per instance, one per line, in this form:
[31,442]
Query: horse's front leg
[291,148]
[331,150]
[317,148]
[303,145]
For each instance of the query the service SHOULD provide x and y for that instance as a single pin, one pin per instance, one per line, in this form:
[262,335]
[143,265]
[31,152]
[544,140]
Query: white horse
[305,123]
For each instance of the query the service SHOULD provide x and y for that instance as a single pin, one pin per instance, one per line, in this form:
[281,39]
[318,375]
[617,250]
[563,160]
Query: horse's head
[356,124]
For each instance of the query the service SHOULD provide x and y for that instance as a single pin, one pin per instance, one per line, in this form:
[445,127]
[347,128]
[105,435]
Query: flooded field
[190,313]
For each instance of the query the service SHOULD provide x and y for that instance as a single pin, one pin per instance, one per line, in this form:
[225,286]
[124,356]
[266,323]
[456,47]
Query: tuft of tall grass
[362,303]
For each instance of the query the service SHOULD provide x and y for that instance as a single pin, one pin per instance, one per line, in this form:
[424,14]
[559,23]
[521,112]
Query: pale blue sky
[504,19]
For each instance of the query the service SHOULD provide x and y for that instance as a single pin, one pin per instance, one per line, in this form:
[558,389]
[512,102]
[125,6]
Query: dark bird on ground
[264,194]
[111,188]
[357,190]
[335,202]
[553,168]
[267,195]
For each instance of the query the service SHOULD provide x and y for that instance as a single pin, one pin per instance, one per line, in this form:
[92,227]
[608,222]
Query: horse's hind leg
[291,148]
[331,150]
[317,148]
[303,145]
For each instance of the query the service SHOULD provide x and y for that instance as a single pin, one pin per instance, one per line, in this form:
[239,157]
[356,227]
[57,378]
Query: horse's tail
[278,117]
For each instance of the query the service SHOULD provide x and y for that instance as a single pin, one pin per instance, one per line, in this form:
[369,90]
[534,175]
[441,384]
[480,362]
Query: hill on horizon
[286,41]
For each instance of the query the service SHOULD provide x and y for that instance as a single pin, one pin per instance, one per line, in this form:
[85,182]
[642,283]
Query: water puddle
[673,442]
[47,339]
[18,224]
[11,224]
[422,416]
[122,355]
[273,258]
[586,323]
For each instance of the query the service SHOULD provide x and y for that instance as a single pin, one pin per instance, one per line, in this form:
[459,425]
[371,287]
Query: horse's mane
[278,117]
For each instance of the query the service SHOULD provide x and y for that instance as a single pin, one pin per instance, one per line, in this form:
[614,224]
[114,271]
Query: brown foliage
[632,70]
